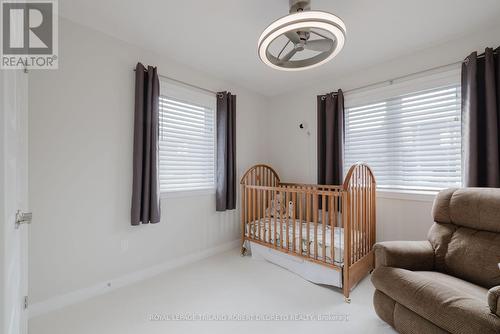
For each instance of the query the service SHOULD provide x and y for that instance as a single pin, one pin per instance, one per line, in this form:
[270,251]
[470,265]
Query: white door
[13,197]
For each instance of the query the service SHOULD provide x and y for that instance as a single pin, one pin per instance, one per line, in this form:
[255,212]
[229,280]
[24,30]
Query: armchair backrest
[466,234]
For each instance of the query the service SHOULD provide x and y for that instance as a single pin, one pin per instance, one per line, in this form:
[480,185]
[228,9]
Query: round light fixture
[303,39]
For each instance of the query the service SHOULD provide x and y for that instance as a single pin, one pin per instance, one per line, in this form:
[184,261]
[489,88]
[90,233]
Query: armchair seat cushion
[448,302]
[494,300]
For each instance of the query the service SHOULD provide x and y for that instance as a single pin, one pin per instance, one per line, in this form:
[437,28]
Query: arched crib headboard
[260,175]
[359,175]
[360,187]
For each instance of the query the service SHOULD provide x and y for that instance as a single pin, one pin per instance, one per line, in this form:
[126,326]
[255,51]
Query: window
[187,139]
[412,141]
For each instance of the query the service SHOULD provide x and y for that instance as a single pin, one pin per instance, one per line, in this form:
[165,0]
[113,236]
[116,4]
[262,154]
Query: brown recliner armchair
[450,283]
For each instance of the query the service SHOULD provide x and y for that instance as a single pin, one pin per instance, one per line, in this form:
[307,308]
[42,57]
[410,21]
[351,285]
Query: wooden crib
[313,222]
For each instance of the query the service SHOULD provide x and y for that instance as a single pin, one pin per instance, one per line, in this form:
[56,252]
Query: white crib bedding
[265,232]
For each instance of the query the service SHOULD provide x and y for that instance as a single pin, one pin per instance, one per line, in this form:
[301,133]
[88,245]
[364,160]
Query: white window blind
[412,142]
[187,142]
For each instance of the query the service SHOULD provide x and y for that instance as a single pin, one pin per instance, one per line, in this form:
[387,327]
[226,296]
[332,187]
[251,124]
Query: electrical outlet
[124,245]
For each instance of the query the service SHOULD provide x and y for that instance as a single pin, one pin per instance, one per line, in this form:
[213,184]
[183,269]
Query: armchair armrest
[494,300]
[411,255]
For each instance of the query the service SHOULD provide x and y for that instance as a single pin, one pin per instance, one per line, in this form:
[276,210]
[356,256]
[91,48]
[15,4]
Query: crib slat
[362,206]
[259,213]
[372,208]
[281,219]
[346,196]
[294,208]
[339,221]
[354,219]
[333,219]
[301,220]
[358,214]
[361,217]
[287,222]
[275,215]
[242,213]
[249,220]
[363,213]
[365,210]
[373,211]
[369,195]
[315,220]
[253,211]
[323,224]
[308,219]
[362,209]
[263,223]
[268,216]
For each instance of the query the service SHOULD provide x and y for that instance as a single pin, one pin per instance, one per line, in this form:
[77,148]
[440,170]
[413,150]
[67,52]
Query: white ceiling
[219,37]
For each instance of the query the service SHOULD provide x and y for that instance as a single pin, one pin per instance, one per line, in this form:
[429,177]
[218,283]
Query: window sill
[407,195]
[187,193]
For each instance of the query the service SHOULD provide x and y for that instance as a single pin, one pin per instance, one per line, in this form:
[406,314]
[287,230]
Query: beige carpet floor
[226,293]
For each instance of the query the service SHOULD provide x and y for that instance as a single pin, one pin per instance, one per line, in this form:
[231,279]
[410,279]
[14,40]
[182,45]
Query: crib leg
[243,250]
[347,290]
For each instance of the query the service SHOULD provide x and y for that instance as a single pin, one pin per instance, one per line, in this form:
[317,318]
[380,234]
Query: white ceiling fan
[303,39]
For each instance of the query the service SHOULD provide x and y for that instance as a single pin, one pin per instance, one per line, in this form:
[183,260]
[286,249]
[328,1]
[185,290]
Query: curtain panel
[330,138]
[226,152]
[480,119]
[145,185]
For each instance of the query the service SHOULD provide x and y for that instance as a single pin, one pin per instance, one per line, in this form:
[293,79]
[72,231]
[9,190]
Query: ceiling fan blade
[321,45]
[293,36]
[288,56]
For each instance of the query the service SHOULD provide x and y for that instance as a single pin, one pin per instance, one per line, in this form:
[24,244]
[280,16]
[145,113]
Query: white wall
[293,151]
[81,123]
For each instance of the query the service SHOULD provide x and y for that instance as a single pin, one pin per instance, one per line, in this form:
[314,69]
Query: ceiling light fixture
[303,39]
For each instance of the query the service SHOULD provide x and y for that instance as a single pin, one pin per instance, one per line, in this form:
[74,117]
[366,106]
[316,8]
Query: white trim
[187,193]
[77,296]
[407,195]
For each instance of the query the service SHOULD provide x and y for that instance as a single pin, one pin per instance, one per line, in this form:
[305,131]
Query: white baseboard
[77,296]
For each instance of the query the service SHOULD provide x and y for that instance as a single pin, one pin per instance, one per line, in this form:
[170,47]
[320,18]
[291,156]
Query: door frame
[13,197]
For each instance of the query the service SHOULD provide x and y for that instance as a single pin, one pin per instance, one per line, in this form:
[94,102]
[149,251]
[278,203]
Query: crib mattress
[266,233]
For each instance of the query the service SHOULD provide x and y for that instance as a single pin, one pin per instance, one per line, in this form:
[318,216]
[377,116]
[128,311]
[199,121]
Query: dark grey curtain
[226,152]
[481,119]
[145,186]
[330,138]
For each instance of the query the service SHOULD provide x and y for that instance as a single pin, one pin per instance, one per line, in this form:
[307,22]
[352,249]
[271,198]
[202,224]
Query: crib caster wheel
[347,300]
[243,251]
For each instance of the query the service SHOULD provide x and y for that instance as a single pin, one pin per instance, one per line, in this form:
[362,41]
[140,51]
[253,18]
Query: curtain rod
[495,51]
[187,84]
[390,81]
